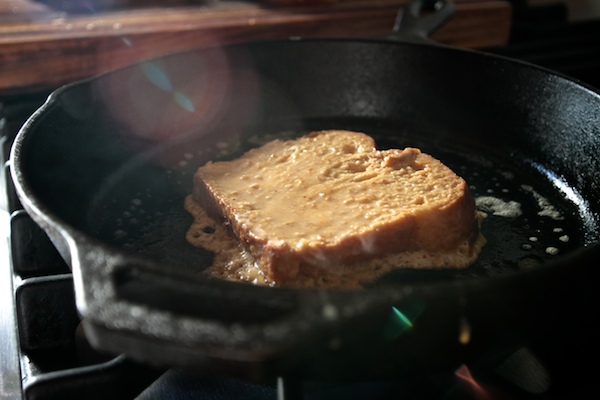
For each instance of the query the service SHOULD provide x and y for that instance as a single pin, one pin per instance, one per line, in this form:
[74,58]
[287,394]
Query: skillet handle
[420,18]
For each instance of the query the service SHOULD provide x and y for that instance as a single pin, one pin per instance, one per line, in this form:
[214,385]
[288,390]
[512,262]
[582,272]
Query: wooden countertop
[43,46]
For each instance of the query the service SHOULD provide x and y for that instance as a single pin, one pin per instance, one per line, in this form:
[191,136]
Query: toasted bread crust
[331,198]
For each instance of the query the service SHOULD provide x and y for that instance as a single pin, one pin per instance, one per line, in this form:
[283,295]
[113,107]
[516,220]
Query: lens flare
[160,79]
[478,390]
[464,373]
[397,324]
[157,76]
[464,333]
[164,107]
[184,101]
[401,319]
[127,42]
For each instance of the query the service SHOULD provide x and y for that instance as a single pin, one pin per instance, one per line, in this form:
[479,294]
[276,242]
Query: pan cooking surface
[531,216]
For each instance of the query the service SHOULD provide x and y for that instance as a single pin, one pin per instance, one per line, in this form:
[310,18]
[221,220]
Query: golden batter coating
[314,208]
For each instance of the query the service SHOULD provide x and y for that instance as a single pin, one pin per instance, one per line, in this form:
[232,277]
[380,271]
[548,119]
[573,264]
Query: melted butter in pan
[232,262]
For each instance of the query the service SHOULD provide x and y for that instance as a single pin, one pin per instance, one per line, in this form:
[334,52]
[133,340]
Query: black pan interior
[113,157]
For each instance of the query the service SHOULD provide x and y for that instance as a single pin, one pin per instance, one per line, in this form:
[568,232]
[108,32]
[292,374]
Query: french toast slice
[308,209]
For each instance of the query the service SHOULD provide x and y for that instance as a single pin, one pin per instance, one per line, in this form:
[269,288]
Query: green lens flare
[397,324]
[402,317]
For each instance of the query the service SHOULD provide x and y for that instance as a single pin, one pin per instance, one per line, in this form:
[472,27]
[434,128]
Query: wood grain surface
[47,43]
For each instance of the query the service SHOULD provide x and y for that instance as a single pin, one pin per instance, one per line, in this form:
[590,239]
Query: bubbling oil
[233,262]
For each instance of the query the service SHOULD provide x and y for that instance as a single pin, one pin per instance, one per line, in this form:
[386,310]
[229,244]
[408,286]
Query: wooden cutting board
[47,43]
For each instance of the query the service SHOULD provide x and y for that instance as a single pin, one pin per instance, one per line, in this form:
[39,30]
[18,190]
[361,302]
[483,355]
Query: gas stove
[45,354]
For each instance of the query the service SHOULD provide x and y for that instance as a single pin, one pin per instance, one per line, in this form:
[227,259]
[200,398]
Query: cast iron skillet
[104,165]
